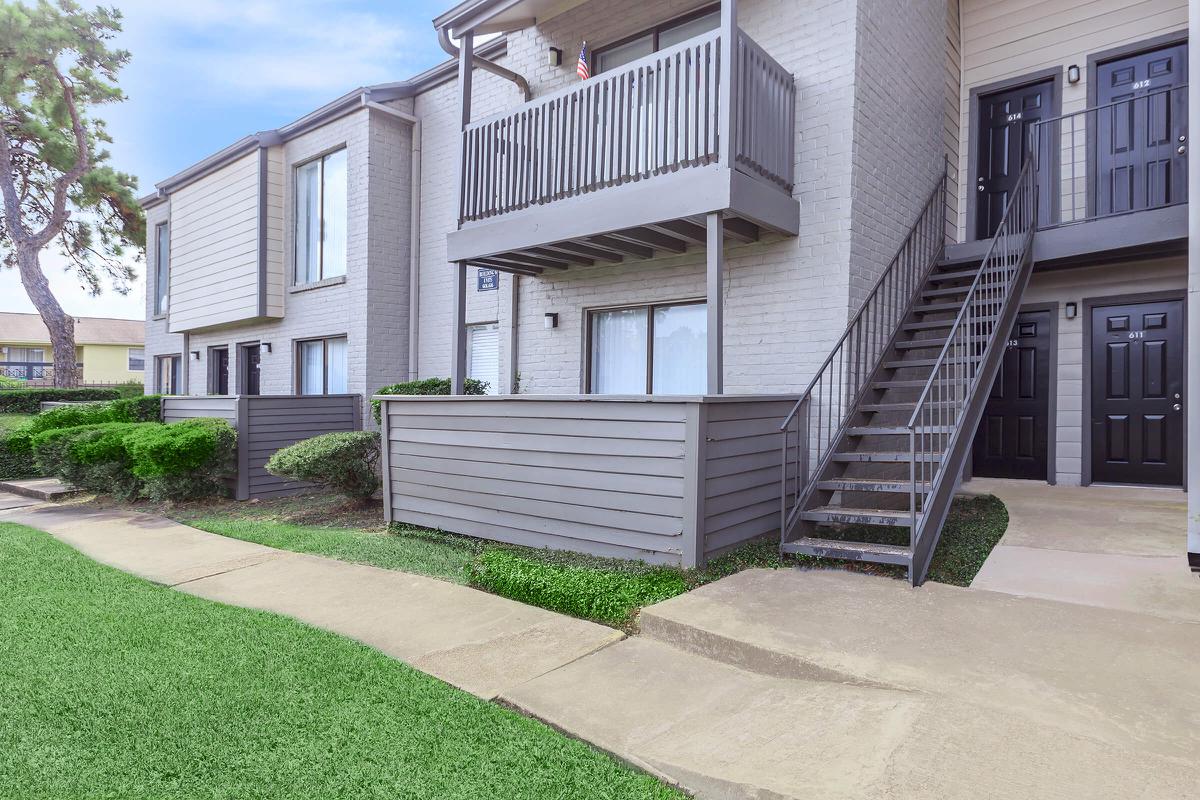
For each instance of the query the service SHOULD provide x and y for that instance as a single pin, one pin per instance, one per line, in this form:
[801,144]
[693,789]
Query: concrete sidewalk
[477,641]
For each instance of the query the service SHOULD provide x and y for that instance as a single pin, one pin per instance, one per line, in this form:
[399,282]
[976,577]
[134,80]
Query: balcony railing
[655,115]
[1129,155]
[35,373]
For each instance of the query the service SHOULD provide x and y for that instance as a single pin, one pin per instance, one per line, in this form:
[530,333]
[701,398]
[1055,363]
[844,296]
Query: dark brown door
[1137,393]
[1141,131]
[250,359]
[1013,436]
[1005,121]
[218,378]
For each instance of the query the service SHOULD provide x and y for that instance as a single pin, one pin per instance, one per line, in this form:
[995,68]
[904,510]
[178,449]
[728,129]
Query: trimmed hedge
[141,409]
[429,386]
[185,460]
[15,465]
[29,401]
[10,383]
[579,591]
[345,462]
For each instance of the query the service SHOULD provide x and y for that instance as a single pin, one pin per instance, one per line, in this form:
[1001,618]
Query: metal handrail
[840,381]
[954,378]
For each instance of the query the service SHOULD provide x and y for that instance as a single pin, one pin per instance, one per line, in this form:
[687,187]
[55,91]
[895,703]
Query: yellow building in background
[109,351]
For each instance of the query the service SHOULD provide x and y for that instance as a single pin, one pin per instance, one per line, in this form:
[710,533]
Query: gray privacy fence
[266,424]
[670,480]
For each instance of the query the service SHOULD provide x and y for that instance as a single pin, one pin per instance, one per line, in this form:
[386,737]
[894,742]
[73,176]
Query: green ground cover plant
[115,687]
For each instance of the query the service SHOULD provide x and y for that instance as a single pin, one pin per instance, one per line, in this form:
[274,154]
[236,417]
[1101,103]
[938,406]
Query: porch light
[555,57]
[1072,310]
[195,355]
[264,347]
[1073,73]
[551,321]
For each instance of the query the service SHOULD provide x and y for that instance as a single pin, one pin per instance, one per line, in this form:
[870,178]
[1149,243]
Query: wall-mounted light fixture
[554,58]
[264,347]
[1072,310]
[1073,74]
[195,355]
[551,321]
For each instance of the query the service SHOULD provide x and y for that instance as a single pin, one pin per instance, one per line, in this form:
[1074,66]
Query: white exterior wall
[1005,39]
[1064,286]
[159,341]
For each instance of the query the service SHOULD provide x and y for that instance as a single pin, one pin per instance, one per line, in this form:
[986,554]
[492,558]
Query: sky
[205,73]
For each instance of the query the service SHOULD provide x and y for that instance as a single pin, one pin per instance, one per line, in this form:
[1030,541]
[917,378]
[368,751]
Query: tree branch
[12,203]
[59,213]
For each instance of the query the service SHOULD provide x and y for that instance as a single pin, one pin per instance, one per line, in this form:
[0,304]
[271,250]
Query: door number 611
[1137,334]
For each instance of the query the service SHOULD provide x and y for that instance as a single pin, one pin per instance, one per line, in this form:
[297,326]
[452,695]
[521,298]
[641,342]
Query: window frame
[319,159]
[162,270]
[654,32]
[176,362]
[129,359]
[648,308]
[297,352]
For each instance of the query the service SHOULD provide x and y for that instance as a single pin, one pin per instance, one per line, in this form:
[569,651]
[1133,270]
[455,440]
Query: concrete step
[864,485]
[883,457]
[901,406]
[849,551]
[858,516]
[39,488]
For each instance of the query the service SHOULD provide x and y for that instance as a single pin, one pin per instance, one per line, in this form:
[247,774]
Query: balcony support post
[466,65]
[458,339]
[728,79]
[1192,396]
[715,303]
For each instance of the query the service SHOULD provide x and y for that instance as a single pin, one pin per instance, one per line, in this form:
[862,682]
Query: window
[29,355]
[322,366]
[662,36]
[321,218]
[166,374]
[162,268]
[483,355]
[649,350]
[137,359]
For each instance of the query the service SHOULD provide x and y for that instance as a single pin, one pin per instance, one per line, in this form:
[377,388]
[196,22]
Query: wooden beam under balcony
[629,248]
[656,239]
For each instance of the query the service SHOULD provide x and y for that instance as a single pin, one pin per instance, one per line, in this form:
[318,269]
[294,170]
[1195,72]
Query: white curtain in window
[483,355]
[339,380]
[308,222]
[334,191]
[619,351]
[312,367]
[162,259]
[680,350]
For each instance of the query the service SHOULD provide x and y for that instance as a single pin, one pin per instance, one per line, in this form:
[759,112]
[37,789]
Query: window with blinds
[483,355]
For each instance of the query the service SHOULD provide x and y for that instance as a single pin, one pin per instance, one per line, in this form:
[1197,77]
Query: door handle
[1177,407]
[1182,149]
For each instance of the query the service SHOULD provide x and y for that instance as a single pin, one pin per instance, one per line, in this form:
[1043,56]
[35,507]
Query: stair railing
[954,380]
[816,421]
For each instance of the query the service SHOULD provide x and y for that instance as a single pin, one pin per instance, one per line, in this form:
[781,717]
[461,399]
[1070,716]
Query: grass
[605,590]
[114,687]
[10,422]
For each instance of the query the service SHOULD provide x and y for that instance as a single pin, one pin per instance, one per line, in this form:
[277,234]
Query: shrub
[15,465]
[608,596]
[92,457]
[184,460]
[10,383]
[429,386]
[346,462]
[142,408]
[29,401]
[131,389]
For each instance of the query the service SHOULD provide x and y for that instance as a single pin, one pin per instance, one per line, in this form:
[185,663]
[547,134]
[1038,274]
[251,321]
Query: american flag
[581,66]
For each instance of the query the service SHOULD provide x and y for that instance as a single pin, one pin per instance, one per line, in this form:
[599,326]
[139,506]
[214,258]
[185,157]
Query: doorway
[1141,130]
[1136,409]
[218,370]
[1013,438]
[249,365]
[1004,120]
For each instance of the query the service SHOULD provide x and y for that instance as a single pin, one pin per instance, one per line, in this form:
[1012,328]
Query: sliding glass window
[322,366]
[649,350]
[321,209]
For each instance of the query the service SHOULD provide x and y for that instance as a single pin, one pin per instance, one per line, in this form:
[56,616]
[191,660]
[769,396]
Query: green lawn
[114,687]
[10,422]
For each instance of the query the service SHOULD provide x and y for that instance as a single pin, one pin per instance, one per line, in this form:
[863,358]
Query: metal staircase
[880,437]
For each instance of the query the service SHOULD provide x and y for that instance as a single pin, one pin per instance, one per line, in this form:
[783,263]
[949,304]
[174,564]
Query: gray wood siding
[741,471]
[593,476]
[177,409]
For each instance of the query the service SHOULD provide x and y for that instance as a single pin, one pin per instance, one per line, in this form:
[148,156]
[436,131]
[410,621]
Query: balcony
[630,162]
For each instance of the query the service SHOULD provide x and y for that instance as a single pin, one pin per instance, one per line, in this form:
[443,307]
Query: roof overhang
[347,103]
[500,16]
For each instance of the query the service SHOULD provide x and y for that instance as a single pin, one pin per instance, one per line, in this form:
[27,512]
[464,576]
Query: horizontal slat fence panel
[764,115]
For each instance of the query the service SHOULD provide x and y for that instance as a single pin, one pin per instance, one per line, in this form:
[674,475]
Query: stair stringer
[937,504]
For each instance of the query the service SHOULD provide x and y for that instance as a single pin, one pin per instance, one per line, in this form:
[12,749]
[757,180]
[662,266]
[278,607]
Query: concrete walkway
[476,641]
[1106,546]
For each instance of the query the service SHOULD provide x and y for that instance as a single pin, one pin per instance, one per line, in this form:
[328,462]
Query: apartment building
[846,219]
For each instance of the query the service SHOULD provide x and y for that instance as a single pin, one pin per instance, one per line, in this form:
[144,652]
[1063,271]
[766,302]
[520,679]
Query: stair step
[956,275]
[864,485]
[936,324]
[857,516]
[890,457]
[853,551]
[933,308]
[912,362]
[948,291]
[925,344]
[907,384]
[902,406]
[892,430]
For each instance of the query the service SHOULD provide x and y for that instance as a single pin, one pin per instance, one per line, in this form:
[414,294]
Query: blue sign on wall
[488,280]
